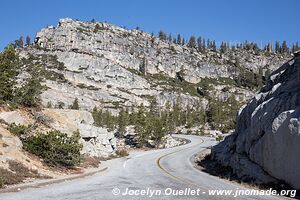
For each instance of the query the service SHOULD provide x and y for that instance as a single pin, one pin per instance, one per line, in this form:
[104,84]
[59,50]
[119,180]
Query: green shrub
[219,138]
[56,148]
[18,129]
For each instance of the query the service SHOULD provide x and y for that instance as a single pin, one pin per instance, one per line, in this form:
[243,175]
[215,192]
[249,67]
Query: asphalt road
[157,174]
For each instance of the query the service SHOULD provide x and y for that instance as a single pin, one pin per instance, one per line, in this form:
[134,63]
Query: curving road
[158,173]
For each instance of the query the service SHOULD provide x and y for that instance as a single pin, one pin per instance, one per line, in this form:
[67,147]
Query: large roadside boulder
[266,143]
[96,141]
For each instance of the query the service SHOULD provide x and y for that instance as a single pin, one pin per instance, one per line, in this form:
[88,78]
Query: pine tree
[168,118]
[122,122]
[162,36]
[28,93]
[158,130]
[192,42]
[277,47]
[141,125]
[214,47]
[199,42]
[189,117]
[176,112]
[223,48]
[108,120]
[174,41]
[179,39]
[8,67]
[208,44]
[203,45]
[284,47]
[97,115]
[20,43]
[27,40]
[295,47]
[75,105]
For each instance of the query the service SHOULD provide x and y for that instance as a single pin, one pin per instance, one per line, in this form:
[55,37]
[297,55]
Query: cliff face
[104,65]
[266,142]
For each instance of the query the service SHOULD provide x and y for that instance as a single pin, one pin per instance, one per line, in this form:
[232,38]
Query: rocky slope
[266,143]
[97,141]
[107,66]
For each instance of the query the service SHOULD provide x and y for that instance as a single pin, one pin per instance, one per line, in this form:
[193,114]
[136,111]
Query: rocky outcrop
[266,143]
[11,150]
[96,141]
[169,142]
[14,117]
[105,66]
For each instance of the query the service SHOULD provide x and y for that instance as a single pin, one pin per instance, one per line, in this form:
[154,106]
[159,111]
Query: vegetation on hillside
[154,122]
[12,92]
[16,173]
[201,44]
[56,148]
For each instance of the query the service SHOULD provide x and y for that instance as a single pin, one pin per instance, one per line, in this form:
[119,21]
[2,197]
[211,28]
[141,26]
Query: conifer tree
[8,67]
[122,122]
[141,125]
[199,42]
[174,41]
[179,39]
[203,44]
[28,93]
[162,36]
[158,130]
[214,47]
[27,40]
[284,47]
[277,47]
[20,42]
[192,42]
[223,47]
[75,105]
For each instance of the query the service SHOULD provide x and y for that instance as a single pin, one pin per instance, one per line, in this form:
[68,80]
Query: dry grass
[122,152]
[17,173]
[90,162]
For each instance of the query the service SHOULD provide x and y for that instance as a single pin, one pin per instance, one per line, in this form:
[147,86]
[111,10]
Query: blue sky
[229,20]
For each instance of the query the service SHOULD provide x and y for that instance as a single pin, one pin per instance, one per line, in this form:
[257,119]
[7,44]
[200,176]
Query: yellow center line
[158,162]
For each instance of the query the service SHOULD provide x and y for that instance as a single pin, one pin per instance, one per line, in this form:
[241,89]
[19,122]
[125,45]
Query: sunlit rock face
[266,143]
[103,65]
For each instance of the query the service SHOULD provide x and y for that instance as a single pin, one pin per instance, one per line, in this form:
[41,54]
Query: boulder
[96,141]
[13,117]
[169,142]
